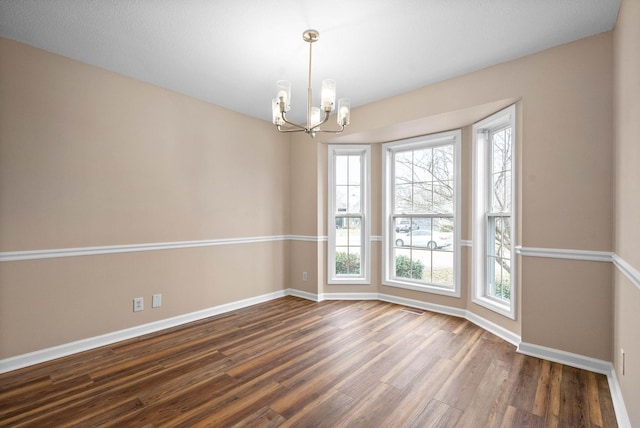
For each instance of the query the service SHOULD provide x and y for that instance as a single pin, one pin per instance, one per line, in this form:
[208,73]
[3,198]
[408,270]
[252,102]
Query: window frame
[365,214]
[388,215]
[482,212]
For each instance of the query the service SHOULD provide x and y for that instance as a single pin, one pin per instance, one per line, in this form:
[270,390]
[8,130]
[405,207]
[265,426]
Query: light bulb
[284,93]
[315,116]
[344,111]
[328,95]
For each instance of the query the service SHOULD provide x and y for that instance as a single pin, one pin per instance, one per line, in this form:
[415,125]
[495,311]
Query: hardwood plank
[573,392]
[325,410]
[606,404]
[555,396]
[519,418]
[263,418]
[359,382]
[488,403]
[419,393]
[528,374]
[292,362]
[437,415]
[460,387]
[593,399]
[541,399]
[373,406]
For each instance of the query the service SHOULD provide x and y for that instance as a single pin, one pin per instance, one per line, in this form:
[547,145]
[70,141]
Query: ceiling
[231,52]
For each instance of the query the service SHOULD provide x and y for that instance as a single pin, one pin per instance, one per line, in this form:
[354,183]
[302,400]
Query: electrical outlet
[138,304]
[304,276]
[156,300]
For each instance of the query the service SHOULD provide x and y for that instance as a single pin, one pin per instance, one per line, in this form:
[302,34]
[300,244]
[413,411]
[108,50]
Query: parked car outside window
[424,239]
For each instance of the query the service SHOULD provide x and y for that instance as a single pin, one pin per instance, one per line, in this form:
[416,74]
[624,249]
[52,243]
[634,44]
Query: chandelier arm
[326,117]
[331,131]
[280,129]
[295,125]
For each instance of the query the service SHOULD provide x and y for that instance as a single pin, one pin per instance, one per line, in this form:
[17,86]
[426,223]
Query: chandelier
[316,117]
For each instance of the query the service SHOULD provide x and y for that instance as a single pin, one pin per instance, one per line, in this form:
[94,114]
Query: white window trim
[480,200]
[387,212]
[365,203]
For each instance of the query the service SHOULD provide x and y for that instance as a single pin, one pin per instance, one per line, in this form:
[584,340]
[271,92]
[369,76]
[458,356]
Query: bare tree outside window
[499,218]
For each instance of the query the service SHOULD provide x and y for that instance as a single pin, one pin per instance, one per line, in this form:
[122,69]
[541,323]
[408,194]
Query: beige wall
[627,202]
[565,101]
[91,158]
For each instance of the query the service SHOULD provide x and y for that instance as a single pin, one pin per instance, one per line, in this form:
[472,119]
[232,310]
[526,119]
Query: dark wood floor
[292,362]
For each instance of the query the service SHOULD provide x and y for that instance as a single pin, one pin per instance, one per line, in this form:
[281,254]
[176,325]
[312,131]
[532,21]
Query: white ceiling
[231,52]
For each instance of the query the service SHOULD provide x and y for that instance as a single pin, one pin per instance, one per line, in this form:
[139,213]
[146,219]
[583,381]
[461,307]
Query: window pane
[354,170]
[341,170]
[403,167]
[422,165]
[499,193]
[422,263]
[443,162]
[442,267]
[499,152]
[403,198]
[422,198]
[348,246]
[501,170]
[354,199]
[443,197]
[341,198]
[507,191]
[503,237]
[347,261]
[499,258]
[406,267]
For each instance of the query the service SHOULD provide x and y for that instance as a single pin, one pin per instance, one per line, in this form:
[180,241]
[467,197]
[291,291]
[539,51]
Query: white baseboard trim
[586,363]
[491,327]
[618,401]
[48,354]
[433,307]
[566,358]
[304,295]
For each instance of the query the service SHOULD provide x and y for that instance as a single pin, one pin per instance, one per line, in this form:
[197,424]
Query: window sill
[433,289]
[349,281]
[504,309]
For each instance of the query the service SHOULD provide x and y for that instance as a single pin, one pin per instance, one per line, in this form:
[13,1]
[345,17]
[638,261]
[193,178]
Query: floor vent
[412,311]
